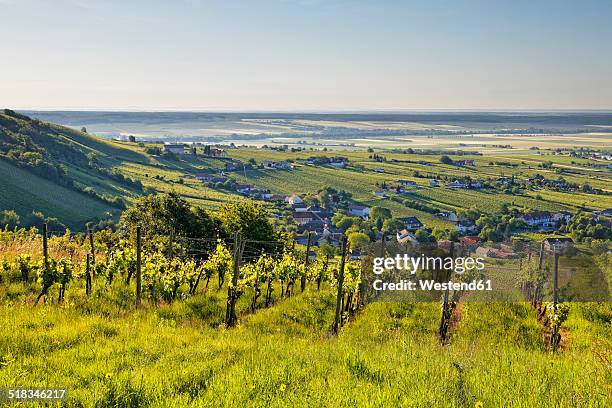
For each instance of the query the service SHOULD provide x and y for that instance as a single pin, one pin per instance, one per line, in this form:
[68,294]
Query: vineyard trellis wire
[175,267]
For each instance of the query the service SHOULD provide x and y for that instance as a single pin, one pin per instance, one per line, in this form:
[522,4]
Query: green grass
[25,192]
[108,354]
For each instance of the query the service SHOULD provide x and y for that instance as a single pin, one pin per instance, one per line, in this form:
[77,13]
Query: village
[315,223]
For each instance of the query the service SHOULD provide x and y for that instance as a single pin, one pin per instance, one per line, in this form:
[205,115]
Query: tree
[84,129]
[9,218]
[344,223]
[252,222]
[326,250]
[392,224]
[439,234]
[423,237]
[446,160]
[164,214]
[358,240]
[325,198]
[132,139]
[380,212]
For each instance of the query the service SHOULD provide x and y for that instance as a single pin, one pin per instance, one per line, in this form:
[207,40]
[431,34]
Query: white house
[359,211]
[303,217]
[244,188]
[538,219]
[466,227]
[451,216]
[562,216]
[294,199]
[557,244]
[456,184]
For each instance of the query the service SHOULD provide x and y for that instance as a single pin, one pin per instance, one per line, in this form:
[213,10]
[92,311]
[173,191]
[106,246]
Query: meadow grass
[109,354]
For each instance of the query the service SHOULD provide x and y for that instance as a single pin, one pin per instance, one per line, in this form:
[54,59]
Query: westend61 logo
[406,263]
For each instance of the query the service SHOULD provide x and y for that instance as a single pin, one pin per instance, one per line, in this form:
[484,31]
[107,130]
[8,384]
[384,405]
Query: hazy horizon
[306,56]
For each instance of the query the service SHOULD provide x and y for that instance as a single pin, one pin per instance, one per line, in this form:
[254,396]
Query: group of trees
[171,215]
[584,227]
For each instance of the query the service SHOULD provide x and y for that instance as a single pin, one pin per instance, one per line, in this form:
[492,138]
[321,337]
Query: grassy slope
[25,192]
[389,356]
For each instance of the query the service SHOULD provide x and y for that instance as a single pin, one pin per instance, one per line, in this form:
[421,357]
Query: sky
[292,55]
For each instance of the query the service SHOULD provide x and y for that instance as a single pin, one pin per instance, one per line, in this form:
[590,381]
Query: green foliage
[446,160]
[380,212]
[9,219]
[167,214]
[358,240]
[583,227]
[252,222]
[557,315]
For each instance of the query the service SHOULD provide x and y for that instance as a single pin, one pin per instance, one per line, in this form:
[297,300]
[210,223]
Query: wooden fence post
[340,295]
[541,256]
[556,336]
[93,249]
[232,290]
[87,277]
[45,244]
[306,262]
[446,312]
[556,281]
[138,264]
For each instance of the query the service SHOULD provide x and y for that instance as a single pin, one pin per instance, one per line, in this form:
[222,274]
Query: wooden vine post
[87,276]
[306,262]
[340,295]
[446,309]
[45,244]
[555,337]
[138,267]
[232,290]
[93,251]
[537,290]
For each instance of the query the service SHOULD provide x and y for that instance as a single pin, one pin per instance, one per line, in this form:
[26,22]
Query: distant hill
[51,169]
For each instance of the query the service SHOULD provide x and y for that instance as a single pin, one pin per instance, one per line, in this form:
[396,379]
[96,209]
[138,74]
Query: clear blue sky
[305,54]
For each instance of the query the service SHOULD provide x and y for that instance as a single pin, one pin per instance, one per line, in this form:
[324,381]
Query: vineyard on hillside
[209,322]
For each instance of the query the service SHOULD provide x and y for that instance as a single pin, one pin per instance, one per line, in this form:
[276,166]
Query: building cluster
[179,148]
